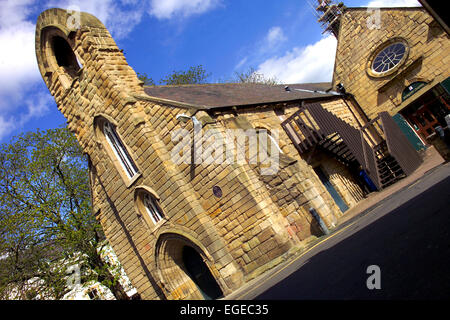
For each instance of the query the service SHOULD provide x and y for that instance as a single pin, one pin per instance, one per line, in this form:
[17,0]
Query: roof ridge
[198,84]
[231,84]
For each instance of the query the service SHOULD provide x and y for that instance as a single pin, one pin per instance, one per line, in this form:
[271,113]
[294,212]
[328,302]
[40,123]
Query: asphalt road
[407,237]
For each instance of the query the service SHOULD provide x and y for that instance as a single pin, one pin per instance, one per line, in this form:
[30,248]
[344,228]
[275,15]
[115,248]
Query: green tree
[148,81]
[252,76]
[195,75]
[198,75]
[46,222]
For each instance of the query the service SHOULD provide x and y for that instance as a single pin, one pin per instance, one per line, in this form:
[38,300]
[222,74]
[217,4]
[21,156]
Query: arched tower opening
[64,55]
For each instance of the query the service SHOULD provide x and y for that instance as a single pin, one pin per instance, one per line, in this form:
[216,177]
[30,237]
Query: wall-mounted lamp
[185,118]
[340,88]
[195,159]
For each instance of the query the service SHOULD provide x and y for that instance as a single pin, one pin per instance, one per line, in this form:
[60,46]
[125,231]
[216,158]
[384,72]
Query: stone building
[397,60]
[199,219]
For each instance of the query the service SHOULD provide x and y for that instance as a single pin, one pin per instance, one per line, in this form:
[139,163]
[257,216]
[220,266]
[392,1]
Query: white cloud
[166,9]
[19,73]
[18,66]
[393,3]
[20,100]
[313,63]
[120,17]
[6,126]
[268,45]
[35,105]
[275,36]
[241,63]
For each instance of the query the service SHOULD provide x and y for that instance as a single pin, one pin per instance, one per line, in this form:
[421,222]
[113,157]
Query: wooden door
[424,121]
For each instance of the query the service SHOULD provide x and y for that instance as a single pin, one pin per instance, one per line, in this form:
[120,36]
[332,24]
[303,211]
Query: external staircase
[378,147]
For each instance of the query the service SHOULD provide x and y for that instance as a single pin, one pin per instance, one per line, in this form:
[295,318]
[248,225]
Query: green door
[409,132]
[331,190]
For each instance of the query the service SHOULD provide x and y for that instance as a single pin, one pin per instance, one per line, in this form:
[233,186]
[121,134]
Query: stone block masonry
[153,210]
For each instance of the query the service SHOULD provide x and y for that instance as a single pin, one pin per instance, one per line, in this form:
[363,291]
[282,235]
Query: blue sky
[279,38]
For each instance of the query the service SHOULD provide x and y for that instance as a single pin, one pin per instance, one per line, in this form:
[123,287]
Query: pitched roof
[209,96]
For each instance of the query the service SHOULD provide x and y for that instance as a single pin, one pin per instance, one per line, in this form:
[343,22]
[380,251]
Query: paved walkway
[432,160]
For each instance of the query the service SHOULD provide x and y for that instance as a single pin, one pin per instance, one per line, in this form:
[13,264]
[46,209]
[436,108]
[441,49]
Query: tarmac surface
[405,235]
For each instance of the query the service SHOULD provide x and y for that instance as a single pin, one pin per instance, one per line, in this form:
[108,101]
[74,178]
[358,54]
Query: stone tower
[397,60]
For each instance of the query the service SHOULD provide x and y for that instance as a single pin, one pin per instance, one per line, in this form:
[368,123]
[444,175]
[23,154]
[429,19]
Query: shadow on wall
[314,228]
[434,31]
[152,281]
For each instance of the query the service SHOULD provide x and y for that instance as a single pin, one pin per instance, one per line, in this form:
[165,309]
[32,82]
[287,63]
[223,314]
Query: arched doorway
[185,269]
[200,274]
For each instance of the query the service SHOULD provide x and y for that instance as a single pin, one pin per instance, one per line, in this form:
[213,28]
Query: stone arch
[91,43]
[404,83]
[55,24]
[172,270]
[282,139]
[97,121]
[409,81]
[57,55]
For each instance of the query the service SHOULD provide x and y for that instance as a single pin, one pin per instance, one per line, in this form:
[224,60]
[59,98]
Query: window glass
[389,57]
[119,150]
[152,208]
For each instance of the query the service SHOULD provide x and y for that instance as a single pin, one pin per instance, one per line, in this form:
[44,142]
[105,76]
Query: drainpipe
[352,97]
[319,220]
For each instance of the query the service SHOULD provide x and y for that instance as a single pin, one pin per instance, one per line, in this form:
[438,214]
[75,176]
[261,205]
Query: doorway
[200,274]
[428,112]
[331,190]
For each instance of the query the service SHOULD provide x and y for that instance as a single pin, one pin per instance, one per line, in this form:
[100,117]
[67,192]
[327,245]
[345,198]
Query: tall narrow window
[152,208]
[269,140]
[119,150]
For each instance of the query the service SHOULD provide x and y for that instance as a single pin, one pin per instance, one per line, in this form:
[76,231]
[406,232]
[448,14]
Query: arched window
[152,208]
[266,135]
[59,57]
[147,204]
[119,150]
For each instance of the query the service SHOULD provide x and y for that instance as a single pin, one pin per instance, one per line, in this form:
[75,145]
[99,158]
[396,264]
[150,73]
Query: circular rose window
[385,61]
[389,58]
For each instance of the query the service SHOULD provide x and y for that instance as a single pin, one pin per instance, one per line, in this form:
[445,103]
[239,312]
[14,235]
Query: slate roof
[209,96]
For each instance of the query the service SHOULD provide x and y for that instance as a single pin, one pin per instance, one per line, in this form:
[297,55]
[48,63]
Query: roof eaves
[169,102]
[271,103]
